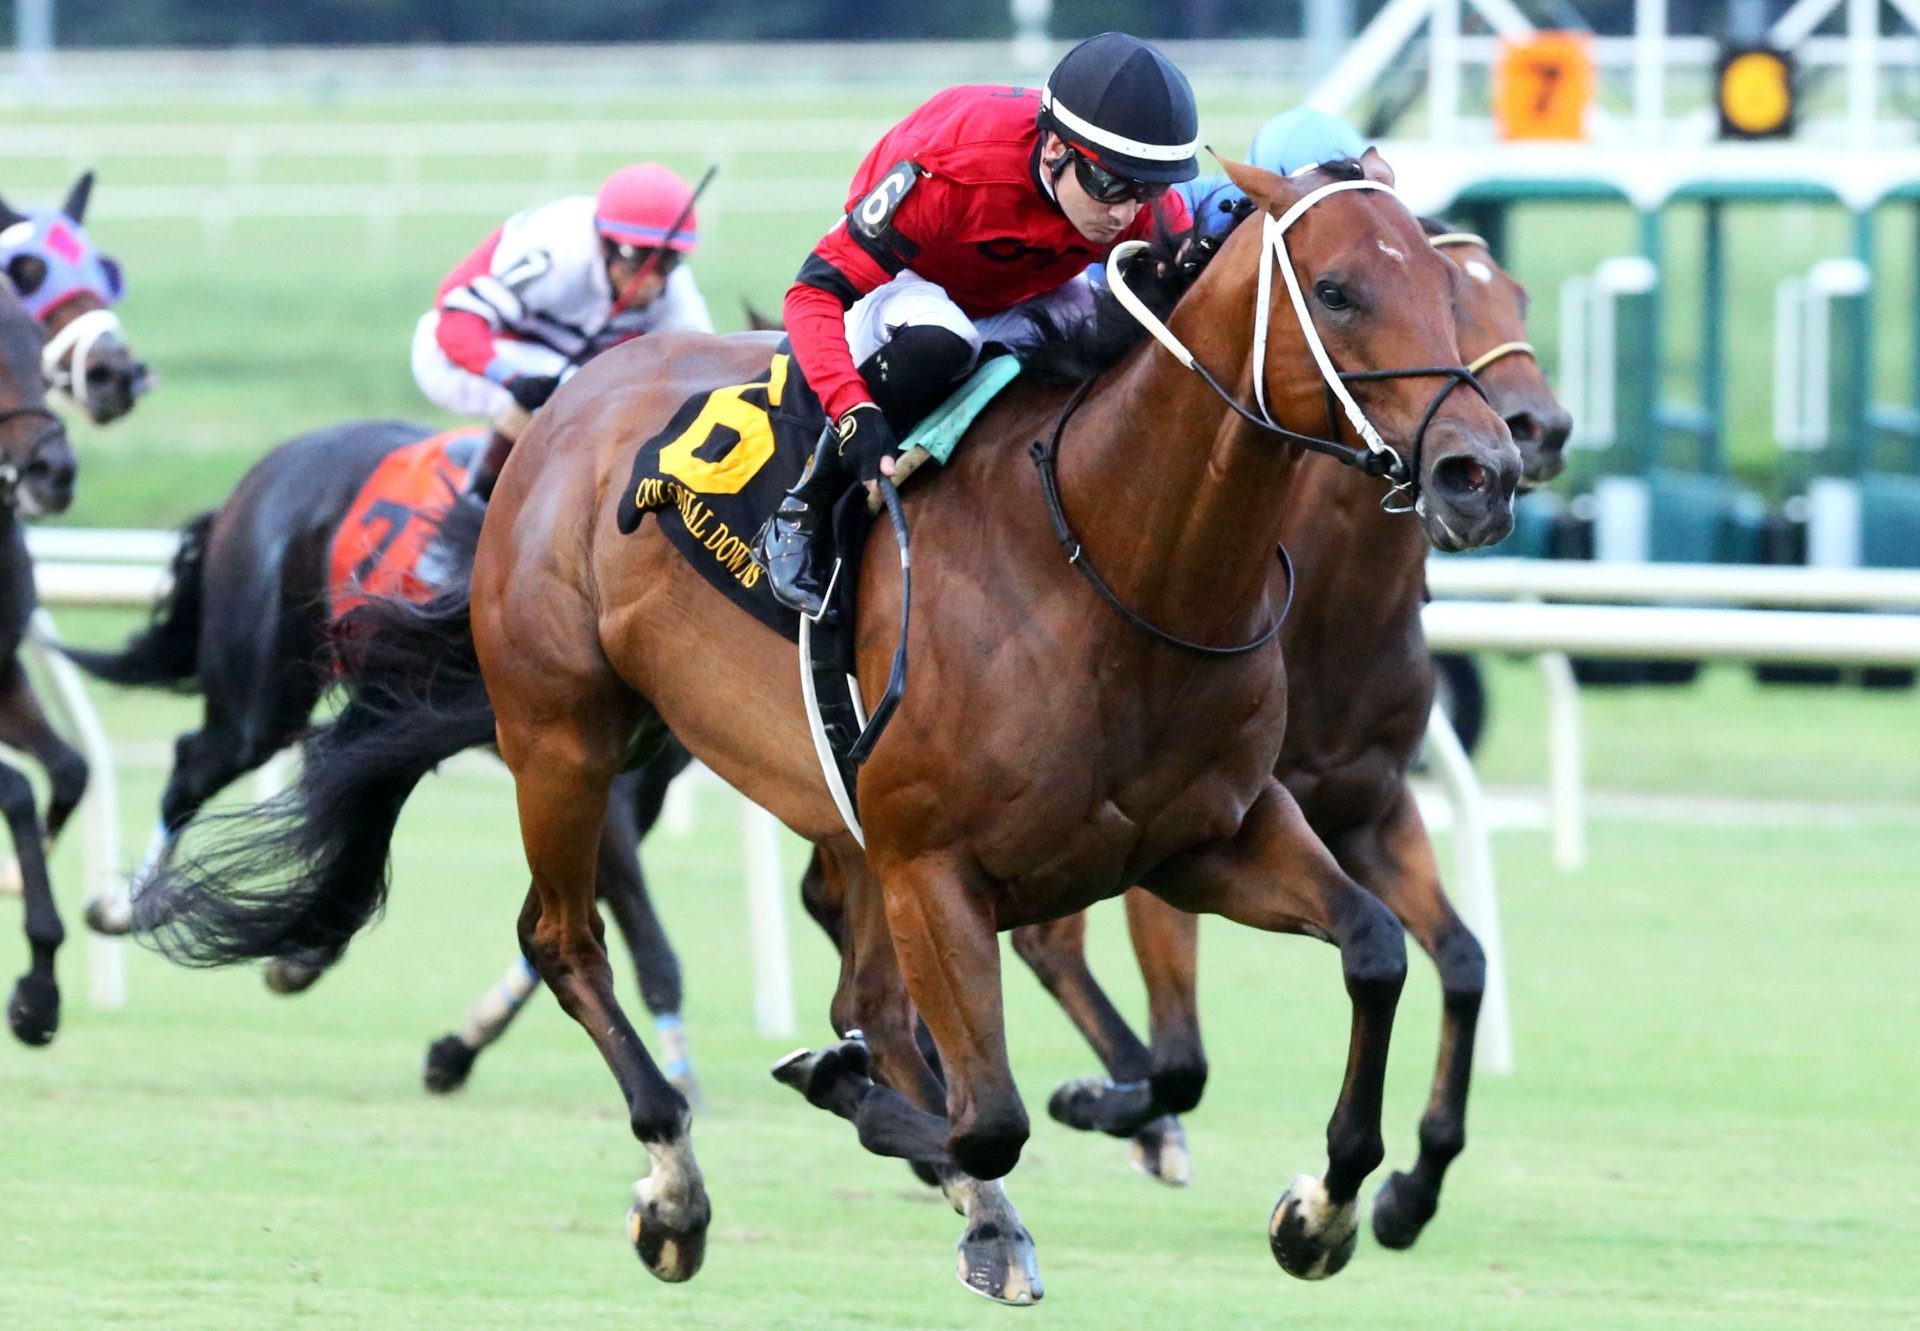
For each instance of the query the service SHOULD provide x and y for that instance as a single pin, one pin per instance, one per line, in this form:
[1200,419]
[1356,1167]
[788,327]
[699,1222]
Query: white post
[1443,75]
[1566,797]
[1031,19]
[1863,71]
[767,923]
[275,774]
[99,811]
[1649,71]
[1473,876]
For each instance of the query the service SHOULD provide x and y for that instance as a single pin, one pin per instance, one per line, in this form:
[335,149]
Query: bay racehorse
[1063,738]
[71,287]
[1360,687]
[246,625]
[37,471]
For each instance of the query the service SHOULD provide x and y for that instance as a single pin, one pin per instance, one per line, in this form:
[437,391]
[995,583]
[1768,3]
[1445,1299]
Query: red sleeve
[467,339]
[842,269]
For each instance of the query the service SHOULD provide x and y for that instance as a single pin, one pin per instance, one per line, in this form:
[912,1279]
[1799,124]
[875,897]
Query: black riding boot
[795,546]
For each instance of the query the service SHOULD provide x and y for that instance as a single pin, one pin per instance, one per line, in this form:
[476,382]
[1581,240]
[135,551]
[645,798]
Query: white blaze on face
[1390,250]
[1478,271]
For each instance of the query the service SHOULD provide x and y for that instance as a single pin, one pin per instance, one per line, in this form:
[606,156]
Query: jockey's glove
[865,438]
[531,391]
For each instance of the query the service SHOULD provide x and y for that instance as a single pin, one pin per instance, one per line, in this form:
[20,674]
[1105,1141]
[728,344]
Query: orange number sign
[1543,87]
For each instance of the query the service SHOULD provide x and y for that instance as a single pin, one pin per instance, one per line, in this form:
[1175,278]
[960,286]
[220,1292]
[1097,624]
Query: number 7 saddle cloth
[381,547]
[721,465]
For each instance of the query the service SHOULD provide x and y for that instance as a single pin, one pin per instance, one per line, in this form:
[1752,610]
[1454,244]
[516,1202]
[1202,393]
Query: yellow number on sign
[725,408]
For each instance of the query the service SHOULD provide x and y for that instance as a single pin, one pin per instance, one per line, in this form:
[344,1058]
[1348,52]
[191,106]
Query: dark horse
[37,471]
[245,624]
[1051,751]
[70,285]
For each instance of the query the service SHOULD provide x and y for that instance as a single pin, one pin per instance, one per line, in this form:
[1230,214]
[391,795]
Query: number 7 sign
[1543,86]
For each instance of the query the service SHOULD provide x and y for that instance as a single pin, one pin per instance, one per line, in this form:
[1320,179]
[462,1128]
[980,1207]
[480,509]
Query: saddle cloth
[377,549]
[721,465]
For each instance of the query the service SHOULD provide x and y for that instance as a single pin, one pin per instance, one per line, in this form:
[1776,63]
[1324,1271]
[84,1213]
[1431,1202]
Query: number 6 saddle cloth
[721,465]
[382,546]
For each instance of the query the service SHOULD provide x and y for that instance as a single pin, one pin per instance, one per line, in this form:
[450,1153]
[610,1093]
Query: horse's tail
[166,653]
[308,869]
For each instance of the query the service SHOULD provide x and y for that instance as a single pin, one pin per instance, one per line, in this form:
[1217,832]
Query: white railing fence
[1514,614]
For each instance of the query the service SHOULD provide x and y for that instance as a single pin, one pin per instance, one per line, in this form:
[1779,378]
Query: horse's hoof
[1159,1151]
[1399,1213]
[998,1262]
[669,1239]
[1311,1236]
[1094,1104]
[34,1010]
[285,975]
[815,1072]
[112,916]
[449,1060]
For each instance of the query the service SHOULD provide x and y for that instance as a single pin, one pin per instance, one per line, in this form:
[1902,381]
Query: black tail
[307,870]
[166,653]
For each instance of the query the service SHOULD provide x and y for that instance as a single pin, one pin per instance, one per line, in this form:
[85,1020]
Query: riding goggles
[1103,186]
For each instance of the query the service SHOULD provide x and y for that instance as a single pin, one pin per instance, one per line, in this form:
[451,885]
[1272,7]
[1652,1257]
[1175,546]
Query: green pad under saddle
[939,433]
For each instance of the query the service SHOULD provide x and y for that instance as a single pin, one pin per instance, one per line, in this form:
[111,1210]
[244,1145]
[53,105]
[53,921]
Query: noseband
[9,470]
[63,361]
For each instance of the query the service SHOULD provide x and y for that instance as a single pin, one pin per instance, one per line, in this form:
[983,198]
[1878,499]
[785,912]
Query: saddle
[712,476]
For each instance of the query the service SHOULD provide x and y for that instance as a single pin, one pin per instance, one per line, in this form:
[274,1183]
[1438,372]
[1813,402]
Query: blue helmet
[1303,137]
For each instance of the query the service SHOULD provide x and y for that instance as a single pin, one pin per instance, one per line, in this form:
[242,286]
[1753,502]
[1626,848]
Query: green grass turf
[1711,1124]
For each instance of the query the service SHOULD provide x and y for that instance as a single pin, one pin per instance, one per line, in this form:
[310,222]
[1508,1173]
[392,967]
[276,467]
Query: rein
[1045,457]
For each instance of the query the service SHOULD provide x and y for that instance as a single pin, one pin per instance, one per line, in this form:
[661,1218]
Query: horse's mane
[1071,351]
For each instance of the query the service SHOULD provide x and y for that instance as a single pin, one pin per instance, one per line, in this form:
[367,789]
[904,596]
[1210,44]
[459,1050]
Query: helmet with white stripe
[1120,102]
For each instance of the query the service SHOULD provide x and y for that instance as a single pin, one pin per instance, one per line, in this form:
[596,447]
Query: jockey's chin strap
[1504,349]
[63,361]
[1376,457]
[9,469]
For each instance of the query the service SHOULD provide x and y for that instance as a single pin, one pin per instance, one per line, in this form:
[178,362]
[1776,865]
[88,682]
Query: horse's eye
[1332,295]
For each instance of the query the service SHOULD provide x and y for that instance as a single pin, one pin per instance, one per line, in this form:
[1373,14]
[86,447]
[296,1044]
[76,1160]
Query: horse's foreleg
[562,763]
[1394,860]
[34,1010]
[1166,943]
[450,1058]
[1275,875]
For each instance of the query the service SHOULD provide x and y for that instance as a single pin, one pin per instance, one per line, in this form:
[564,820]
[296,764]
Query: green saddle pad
[940,432]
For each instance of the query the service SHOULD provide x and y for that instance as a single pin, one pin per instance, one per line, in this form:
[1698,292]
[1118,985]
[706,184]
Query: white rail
[1521,625]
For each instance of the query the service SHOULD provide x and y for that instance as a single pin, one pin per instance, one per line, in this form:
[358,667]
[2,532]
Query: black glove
[865,438]
[531,391]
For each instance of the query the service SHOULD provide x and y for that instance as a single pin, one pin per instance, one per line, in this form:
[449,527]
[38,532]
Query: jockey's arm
[848,263]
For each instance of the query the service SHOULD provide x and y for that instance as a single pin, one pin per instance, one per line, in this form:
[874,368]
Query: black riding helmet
[1118,101]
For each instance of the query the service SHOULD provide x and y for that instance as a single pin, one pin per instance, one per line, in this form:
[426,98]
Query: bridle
[63,361]
[10,470]
[1492,354]
[1375,458]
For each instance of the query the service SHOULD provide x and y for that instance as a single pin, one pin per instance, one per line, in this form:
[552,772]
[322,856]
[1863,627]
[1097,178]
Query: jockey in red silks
[537,297]
[978,210]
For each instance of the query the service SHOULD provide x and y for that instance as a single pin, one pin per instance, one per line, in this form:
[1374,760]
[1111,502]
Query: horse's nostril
[1523,426]
[1463,476]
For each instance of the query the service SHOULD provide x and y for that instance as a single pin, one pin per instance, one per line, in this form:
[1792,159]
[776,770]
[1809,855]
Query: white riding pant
[909,299]
[459,389]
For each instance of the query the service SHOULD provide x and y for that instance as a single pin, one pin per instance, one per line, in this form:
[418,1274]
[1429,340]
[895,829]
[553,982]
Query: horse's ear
[1272,191]
[1374,167]
[76,204]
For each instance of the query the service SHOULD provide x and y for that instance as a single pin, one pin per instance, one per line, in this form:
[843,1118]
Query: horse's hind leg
[564,730]
[1394,860]
[34,1010]
[637,800]
[1275,875]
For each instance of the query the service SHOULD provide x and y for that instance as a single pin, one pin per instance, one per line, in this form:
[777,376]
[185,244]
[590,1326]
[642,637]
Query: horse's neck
[1361,566]
[1178,502]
